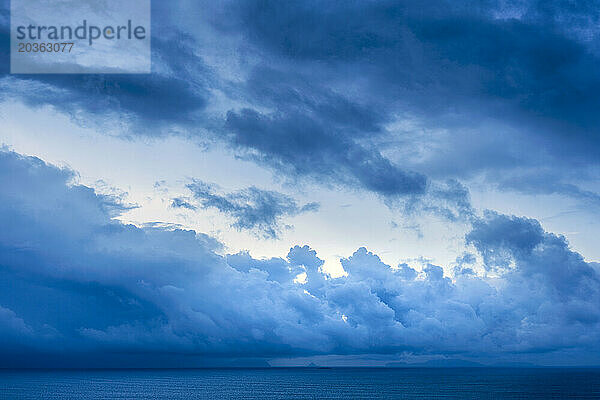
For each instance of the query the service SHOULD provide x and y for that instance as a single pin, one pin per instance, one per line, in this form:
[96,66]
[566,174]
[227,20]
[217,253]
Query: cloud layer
[406,101]
[75,281]
[377,96]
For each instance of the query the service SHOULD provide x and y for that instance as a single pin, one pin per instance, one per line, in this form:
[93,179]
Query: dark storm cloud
[301,146]
[76,283]
[316,86]
[171,96]
[471,52]
[514,83]
[254,209]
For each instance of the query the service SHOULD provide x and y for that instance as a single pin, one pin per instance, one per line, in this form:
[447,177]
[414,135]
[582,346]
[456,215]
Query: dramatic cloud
[468,88]
[75,281]
[315,132]
[254,209]
[148,104]
[409,101]
[514,52]
[378,96]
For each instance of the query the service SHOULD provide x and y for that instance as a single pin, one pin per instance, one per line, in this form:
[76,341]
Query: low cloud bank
[73,281]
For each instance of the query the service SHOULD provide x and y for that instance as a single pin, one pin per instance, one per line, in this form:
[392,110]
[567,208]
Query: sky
[338,183]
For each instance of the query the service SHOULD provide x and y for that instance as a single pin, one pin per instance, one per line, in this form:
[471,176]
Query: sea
[303,383]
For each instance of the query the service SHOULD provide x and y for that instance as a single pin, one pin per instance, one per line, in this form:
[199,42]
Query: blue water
[303,383]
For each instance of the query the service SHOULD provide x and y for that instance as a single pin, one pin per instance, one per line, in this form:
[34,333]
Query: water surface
[303,383]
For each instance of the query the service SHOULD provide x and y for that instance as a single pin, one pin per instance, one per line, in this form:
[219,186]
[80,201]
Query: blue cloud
[175,94]
[513,89]
[500,237]
[302,147]
[513,83]
[523,247]
[526,54]
[77,285]
[319,86]
[254,209]
[315,132]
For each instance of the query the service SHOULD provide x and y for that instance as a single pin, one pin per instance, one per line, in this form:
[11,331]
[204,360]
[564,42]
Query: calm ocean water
[303,383]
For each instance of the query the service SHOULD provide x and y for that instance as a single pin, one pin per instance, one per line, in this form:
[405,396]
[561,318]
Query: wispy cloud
[254,209]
